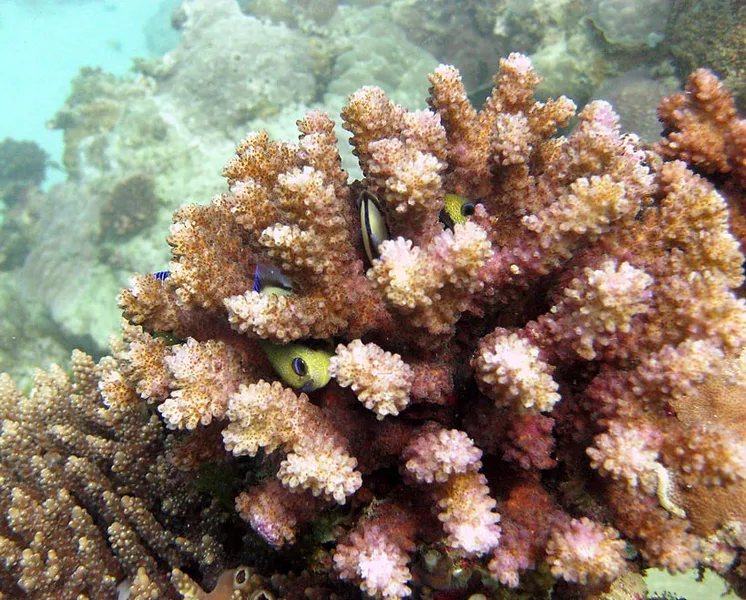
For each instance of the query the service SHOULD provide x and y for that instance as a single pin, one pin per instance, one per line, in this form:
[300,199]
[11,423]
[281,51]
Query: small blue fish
[162,275]
[270,281]
[372,225]
[302,367]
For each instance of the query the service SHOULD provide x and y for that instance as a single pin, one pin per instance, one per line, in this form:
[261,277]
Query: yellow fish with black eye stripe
[300,366]
[372,225]
[456,209]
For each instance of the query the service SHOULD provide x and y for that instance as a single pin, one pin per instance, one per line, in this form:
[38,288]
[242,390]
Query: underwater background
[115,113]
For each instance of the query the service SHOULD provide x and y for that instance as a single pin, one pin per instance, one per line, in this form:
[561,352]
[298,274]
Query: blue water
[44,43]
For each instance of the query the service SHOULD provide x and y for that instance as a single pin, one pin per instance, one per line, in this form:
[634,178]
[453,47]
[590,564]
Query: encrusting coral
[516,400]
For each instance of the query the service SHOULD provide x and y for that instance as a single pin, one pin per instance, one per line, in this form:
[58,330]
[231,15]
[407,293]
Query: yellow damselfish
[298,365]
[456,209]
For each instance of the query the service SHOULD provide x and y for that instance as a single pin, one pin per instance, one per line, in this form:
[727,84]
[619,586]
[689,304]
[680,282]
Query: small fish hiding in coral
[270,281]
[301,367]
[169,337]
[456,209]
[372,225]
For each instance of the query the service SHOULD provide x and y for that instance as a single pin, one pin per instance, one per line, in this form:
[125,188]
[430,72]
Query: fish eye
[467,209]
[241,578]
[299,366]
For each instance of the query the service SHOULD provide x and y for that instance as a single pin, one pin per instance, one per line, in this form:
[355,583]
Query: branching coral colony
[544,396]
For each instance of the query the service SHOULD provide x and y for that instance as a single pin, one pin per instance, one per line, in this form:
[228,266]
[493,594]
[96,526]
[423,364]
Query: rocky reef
[505,363]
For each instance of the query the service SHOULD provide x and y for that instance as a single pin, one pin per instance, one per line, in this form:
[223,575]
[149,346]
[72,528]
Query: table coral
[514,402]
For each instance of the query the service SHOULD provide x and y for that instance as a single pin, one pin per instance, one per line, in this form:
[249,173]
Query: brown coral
[82,492]
[593,280]
[131,206]
[702,128]
[717,403]
[293,213]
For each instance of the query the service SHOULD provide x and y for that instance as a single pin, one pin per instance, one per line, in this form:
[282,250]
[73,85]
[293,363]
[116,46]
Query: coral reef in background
[632,25]
[300,14]
[174,118]
[23,168]
[635,96]
[28,336]
[62,270]
[516,402]
[131,206]
[22,164]
[270,66]
[574,45]
[709,33]
[433,26]
[165,125]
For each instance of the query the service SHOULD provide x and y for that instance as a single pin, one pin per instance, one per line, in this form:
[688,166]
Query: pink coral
[509,369]
[378,563]
[467,513]
[321,466]
[628,453]
[273,511]
[409,277]
[593,281]
[530,441]
[586,552]
[436,455]
[268,416]
[529,515]
[204,375]
[602,304]
[145,356]
[376,555]
[380,380]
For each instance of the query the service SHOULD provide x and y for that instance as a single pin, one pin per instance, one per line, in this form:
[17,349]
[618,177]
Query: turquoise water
[177,88]
[43,45]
